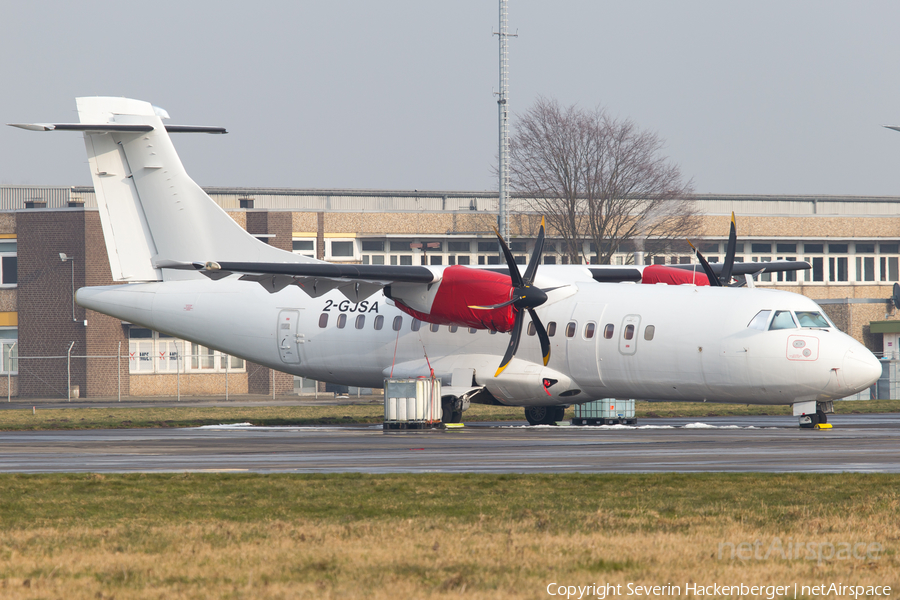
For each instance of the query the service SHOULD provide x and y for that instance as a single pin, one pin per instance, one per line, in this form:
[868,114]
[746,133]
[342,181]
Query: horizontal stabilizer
[114,127]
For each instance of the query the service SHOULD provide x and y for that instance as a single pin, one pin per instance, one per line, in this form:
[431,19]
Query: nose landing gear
[814,415]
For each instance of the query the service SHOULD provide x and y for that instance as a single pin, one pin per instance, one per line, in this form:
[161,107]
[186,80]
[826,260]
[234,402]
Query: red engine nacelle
[672,276]
[461,287]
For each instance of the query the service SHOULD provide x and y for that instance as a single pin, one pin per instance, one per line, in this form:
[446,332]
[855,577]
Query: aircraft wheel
[823,418]
[809,421]
[559,413]
[449,413]
[541,415]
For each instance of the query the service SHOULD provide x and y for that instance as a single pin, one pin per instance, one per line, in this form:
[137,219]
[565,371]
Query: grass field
[188,416]
[435,536]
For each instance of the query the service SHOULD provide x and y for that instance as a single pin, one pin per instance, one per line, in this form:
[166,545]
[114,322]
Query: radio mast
[503,111]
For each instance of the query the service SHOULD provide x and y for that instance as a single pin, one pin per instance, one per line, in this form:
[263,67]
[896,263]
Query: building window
[9,337]
[9,270]
[372,246]
[342,249]
[304,246]
[837,267]
[153,352]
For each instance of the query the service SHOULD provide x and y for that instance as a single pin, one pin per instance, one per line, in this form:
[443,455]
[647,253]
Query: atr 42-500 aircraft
[590,333]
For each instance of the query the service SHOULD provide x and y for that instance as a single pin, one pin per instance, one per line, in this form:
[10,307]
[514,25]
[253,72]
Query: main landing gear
[544,415]
[451,409]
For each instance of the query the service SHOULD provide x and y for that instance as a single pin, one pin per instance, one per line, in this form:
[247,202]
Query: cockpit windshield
[785,319]
[812,319]
[782,320]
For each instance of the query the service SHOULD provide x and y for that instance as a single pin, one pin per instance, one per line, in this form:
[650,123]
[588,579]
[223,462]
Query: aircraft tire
[540,415]
[448,412]
[823,418]
[559,413]
[813,421]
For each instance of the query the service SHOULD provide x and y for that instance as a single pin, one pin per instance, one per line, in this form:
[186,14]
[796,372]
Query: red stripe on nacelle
[673,276]
[462,287]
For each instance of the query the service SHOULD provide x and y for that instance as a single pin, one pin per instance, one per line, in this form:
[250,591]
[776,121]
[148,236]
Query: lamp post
[70,259]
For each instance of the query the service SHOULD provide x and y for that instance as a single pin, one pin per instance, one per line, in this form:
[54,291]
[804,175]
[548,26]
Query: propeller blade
[510,261]
[542,335]
[513,342]
[535,256]
[728,265]
[713,279]
[507,303]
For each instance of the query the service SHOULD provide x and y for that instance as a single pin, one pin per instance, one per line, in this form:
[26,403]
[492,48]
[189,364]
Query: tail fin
[151,210]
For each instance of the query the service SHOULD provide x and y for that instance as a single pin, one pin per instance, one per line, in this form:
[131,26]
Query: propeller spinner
[525,297]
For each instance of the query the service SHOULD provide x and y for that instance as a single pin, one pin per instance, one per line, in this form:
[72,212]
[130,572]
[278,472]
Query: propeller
[525,297]
[724,278]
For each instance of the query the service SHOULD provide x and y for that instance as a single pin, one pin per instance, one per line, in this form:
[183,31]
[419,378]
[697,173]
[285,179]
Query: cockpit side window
[782,320]
[812,319]
[760,320]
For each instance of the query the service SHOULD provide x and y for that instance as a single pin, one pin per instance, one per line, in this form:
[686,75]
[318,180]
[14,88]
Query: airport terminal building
[51,243]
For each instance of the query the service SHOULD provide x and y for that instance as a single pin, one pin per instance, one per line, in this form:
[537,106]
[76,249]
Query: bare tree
[599,179]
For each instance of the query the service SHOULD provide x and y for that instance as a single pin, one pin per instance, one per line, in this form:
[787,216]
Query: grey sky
[761,97]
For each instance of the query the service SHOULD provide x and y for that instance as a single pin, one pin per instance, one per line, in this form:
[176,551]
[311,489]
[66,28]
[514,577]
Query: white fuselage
[701,348]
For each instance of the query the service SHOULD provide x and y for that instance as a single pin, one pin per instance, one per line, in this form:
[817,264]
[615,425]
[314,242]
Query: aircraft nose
[861,369]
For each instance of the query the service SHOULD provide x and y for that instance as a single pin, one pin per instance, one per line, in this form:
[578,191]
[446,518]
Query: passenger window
[812,319]
[398,323]
[589,330]
[434,327]
[570,330]
[360,321]
[379,322]
[415,324]
[342,320]
[472,330]
[609,330]
[454,328]
[531,330]
[649,330]
[760,320]
[323,320]
[493,332]
[782,320]
[551,328]
[629,332]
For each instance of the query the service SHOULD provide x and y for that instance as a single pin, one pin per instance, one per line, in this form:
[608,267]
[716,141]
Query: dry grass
[435,536]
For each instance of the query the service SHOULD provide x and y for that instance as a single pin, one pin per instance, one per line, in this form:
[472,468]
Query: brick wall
[46,325]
